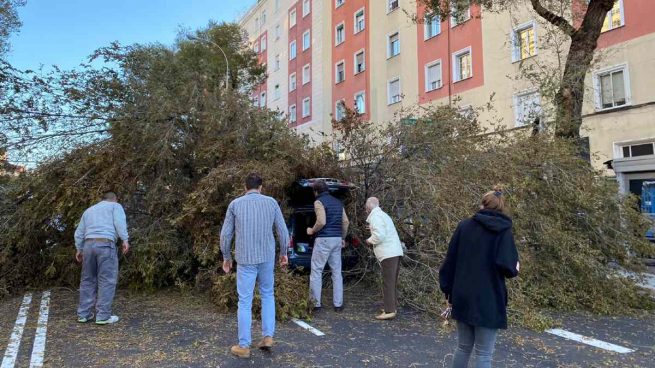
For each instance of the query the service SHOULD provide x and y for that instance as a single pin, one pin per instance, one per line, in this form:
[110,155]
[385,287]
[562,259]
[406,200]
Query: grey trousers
[326,250]
[99,278]
[478,340]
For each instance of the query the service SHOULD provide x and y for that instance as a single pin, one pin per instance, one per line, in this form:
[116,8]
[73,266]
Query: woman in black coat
[481,255]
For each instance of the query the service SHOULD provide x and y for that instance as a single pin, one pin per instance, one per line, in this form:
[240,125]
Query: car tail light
[355,242]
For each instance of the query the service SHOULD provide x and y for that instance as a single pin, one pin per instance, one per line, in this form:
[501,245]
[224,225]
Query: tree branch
[553,18]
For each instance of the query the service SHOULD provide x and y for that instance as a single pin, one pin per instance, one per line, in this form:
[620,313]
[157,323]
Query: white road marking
[38,350]
[307,327]
[9,360]
[589,341]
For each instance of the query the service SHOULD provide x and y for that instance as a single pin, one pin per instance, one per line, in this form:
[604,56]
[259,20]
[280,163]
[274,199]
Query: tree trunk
[570,97]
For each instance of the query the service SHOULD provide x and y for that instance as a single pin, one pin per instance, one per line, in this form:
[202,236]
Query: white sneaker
[111,320]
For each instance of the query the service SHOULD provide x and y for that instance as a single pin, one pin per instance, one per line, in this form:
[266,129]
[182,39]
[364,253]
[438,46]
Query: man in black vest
[330,229]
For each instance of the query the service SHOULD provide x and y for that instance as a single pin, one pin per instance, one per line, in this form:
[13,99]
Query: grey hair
[372,203]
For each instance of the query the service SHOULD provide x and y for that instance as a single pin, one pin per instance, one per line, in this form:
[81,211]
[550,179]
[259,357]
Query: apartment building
[376,57]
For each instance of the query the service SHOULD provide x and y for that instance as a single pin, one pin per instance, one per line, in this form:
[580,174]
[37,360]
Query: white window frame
[278,32]
[618,147]
[278,62]
[426,26]
[626,84]
[277,92]
[516,40]
[293,45]
[336,110]
[427,68]
[306,8]
[515,103]
[356,30]
[255,47]
[293,18]
[455,65]
[293,117]
[255,100]
[309,40]
[264,42]
[339,3]
[363,52]
[389,48]
[262,18]
[307,101]
[453,21]
[336,33]
[390,100]
[609,13]
[336,71]
[307,67]
[363,94]
[263,100]
[390,3]
[293,82]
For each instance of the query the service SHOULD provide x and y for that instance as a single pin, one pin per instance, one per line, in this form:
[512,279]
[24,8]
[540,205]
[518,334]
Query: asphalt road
[170,329]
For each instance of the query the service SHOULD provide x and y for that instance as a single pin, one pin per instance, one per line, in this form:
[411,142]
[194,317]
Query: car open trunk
[300,221]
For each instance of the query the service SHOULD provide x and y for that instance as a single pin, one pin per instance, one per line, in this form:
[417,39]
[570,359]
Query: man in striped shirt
[250,220]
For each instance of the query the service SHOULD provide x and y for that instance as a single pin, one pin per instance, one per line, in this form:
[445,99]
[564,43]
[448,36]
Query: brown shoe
[240,352]
[266,343]
[385,316]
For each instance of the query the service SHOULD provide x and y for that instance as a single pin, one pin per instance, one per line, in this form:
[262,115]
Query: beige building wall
[403,66]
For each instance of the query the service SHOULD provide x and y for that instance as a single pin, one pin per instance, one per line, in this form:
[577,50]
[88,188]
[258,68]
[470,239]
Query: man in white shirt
[388,250]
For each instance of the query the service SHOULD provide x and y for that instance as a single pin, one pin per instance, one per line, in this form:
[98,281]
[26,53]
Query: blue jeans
[480,340]
[247,275]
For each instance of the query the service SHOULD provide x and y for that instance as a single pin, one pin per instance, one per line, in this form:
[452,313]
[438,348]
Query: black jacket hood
[493,220]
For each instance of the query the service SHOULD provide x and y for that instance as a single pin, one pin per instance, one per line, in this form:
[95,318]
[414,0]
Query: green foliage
[573,230]
[291,290]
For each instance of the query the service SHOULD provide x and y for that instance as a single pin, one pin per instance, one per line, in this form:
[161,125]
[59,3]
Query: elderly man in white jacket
[388,250]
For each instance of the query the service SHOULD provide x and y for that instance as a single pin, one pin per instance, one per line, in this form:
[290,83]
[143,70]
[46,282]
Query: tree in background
[579,20]
[9,22]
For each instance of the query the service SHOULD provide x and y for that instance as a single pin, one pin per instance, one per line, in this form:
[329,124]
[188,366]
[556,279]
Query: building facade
[380,56]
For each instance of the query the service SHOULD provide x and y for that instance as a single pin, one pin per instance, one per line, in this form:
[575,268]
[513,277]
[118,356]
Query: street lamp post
[227,63]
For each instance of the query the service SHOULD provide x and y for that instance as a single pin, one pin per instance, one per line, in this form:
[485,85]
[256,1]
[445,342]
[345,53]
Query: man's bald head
[109,197]
[372,203]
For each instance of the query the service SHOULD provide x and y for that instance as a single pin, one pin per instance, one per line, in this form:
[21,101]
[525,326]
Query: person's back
[254,218]
[104,220]
[481,255]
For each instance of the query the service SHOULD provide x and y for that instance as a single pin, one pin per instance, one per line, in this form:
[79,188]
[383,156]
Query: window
[255,47]
[306,107]
[527,107]
[360,21]
[277,93]
[463,65]
[306,74]
[278,32]
[263,47]
[255,101]
[612,88]
[263,18]
[340,72]
[277,5]
[292,82]
[636,150]
[340,110]
[340,34]
[262,99]
[392,5]
[524,42]
[460,12]
[306,8]
[360,102]
[614,18]
[393,91]
[292,18]
[292,114]
[393,47]
[433,76]
[338,3]
[292,50]
[306,40]
[432,25]
[360,62]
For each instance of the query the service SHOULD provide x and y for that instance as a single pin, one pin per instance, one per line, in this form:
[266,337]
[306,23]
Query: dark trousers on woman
[390,269]
[479,340]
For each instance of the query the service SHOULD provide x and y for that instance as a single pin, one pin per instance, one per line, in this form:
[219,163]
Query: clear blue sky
[65,32]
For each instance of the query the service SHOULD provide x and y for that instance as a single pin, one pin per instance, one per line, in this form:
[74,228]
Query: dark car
[303,216]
